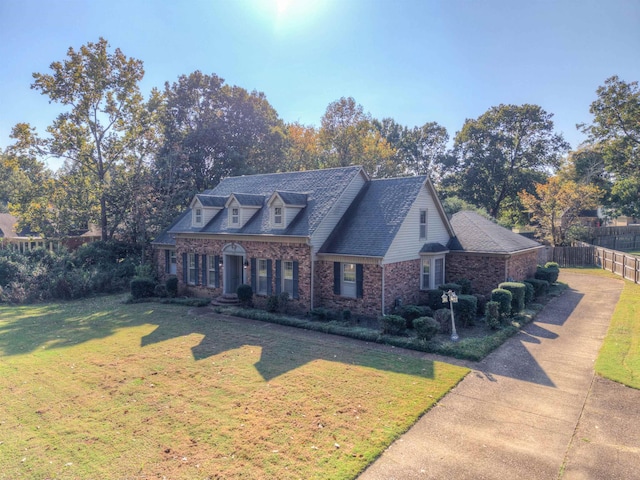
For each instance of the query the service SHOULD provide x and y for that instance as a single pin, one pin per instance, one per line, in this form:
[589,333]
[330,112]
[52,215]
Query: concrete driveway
[533,409]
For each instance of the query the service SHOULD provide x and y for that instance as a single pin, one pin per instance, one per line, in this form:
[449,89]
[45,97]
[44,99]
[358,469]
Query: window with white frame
[191,278]
[431,272]
[277,216]
[211,270]
[349,288]
[173,262]
[235,216]
[262,276]
[423,224]
[197,216]
[287,277]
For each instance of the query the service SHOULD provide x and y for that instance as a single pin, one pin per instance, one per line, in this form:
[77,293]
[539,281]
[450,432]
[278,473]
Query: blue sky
[415,61]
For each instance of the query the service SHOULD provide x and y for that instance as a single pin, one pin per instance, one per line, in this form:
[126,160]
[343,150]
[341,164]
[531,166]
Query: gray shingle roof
[474,233]
[322,188]
[293,198]
[372,221]
[212,200]
[249,200]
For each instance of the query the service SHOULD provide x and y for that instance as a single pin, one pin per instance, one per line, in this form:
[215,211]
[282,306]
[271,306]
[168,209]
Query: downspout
[382,265]
[312,275]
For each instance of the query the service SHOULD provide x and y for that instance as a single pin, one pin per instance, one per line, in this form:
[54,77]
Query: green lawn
[100,389]
[619,357]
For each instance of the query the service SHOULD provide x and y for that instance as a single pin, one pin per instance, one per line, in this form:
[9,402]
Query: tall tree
[507,149]
[556,205]
[213,130]
[104,119]
[615,131]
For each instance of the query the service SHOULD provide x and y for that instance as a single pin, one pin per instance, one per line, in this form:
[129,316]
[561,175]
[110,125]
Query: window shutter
[167,261]
[269,277]
[216,278]
[196,259]
[336,277]
[295,280]
[185,268]
[278,277]
[254,279]
[359,283]
[204,270]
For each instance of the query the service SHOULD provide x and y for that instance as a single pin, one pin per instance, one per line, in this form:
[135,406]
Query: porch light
[221,262]
[452,298]
[245,264]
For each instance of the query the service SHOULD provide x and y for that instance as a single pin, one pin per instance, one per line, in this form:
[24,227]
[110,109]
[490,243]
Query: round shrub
[456,287]
[518,291]
[492,315]
[142,287]
[393,325]
[160,291]
[540,287]
[548,274]
[434,299]
[504,298]
[9,271]
[529,293]
[272,303]
[426,327]
[172,286]
[465,310]
[443,317]
[411,312]
[245,294]
[465,285]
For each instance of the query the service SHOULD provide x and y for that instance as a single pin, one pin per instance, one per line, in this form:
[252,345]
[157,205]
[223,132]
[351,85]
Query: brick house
[331,238]
[488,254]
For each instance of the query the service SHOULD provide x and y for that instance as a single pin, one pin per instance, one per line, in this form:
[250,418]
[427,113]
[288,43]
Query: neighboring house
[488,254]
[26,240]
[330,238]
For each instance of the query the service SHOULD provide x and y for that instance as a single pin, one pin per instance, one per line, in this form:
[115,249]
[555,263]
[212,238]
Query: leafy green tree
[615,132]
[507,149]
[211,131]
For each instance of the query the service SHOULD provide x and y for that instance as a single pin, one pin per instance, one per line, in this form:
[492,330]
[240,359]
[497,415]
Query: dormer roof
[214,201]
[245,200]
[289,199]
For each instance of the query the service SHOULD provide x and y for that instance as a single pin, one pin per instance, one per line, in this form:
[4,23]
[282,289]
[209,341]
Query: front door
[233,276]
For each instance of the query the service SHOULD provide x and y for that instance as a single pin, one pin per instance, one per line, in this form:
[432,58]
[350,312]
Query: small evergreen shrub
[272,303]
[548,274]
[172,286]
[518,291]
[492,315]
[142,288]
[426,327]
[434,299]
[529,292]
[504,298]
[346,315]
[393,325]
[540,287]
[465,310]
[245,294]
[554,267]
[283,300]
[160,290]
[443,317]
[481,302]
[411,312]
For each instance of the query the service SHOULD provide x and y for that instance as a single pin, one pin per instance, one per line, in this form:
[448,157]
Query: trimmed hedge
[411,312]
[443,317]
[529,293]
[434,299]
[492,315]
[466,309]
[456,287]
[504,298]
[548,274]
[540,287]
[172,286]
[426,327]
[465,285]
[518,291]
[245,294]
[142,288]
[393,325]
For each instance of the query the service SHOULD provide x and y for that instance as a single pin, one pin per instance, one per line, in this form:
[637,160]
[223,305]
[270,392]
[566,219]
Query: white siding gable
[407,243]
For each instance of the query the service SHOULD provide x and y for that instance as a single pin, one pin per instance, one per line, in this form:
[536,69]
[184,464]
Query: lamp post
[452,298]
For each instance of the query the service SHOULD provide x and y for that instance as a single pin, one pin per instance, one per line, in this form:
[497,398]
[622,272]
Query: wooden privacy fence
[583,254]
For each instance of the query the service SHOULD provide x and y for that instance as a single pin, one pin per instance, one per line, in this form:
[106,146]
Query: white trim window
[278,217]
[211,270]
[349,288]
[197,216]
[262,277]
[423,224]
[287,277]
[173,262]
[191,279]
[431,272]
[235,216]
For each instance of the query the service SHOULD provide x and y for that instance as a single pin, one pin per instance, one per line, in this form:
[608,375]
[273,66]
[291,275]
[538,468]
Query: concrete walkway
[533,409]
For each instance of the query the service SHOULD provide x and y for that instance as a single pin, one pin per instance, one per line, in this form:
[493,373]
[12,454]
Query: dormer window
[277,216]
[198,216]
[235,216]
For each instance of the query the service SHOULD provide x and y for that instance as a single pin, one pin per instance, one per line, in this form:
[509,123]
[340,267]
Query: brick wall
[487,271]
[273,251]
[370,305]
[402,280]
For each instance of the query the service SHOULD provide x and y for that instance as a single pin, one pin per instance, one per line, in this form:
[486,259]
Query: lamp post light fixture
[452,298]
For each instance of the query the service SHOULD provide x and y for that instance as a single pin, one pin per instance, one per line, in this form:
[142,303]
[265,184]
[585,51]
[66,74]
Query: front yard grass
[100,389]
[619,357]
